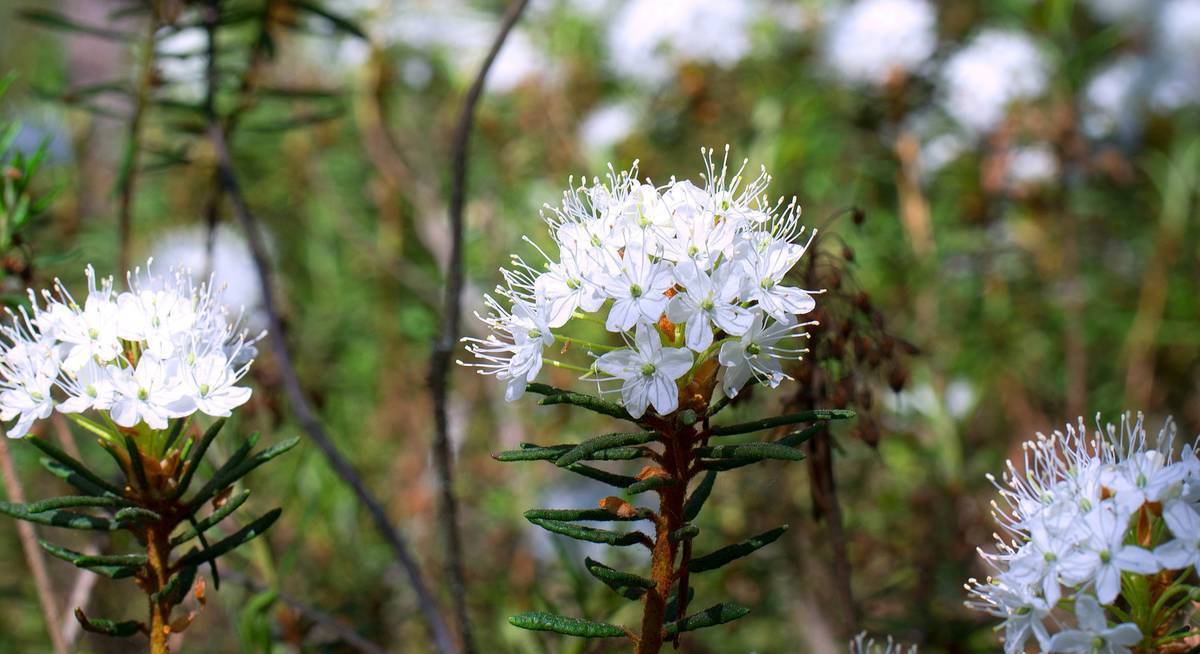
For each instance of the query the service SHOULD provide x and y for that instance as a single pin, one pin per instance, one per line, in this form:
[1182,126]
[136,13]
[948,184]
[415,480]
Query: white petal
[1135,559]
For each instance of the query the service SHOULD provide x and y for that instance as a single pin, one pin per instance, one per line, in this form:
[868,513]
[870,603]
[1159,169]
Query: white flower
[27,399]
[513,352]
[565,288]
[994,70]
[1093,635]
[871,40]
[764,271]
[648,38]
[1184,550]
[708,301]
[148,394]
[211,384]
[1023,612]
[90,387]
[638,291]
[648,372]
[1108,555]
[757,354]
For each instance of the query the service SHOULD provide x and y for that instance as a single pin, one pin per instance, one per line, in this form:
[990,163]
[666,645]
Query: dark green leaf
[594,515]
[74,501]
[672,610]
[775,421]
[699,496]
[654,482]
[135,513]
[229,474]
[542,621]
[626,584]
[603,476]
[197,456]
[75,466]
[114,566]
[177,587]
[213,519]
[751,452]
[173,435]
[59,518]
[108,627]
[710,617]
[591,534]
[791,440]
[135,462]
[736,551]
[560,396]
[685,532]
[66,474]
[222,547]
[529,452]
[604,442]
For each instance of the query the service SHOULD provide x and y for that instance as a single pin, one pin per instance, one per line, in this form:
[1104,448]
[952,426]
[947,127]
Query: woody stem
[676,462]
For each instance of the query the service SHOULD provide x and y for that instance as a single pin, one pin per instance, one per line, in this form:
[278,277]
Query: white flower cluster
[1082,513]
[681,274]
[872,40]
[996,69]
[163,349]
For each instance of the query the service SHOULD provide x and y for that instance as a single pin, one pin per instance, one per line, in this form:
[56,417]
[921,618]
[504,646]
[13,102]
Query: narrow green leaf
[135,462]
[213,519]
[177,587]
[529,452]
[73,501]
[108,627]
[173,435]
[591,534]
[625,584]
[736,551]
[217,481]
[243,535]
[134,514]
[775,421]
[672,610]
[604,442]
[58,518]
[197,457]
[113,566]
[75,466]
[542,621]
[648,484]
[710,617]
[699,496]
[228,474]
[751,452]
[602,476]
[66,474]
[593,515]
[559,396]
[791,440]
[686,532]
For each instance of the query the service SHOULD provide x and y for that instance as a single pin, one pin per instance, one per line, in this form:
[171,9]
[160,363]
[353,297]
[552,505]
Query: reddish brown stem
[677,460]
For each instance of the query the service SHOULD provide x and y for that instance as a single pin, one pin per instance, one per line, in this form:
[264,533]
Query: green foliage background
[1031,307]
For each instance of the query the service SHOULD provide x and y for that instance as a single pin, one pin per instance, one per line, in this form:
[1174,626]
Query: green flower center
[707,304]
[648,369]
[143,394]
[93,333]
[204,388]
[753,349]
[635,291]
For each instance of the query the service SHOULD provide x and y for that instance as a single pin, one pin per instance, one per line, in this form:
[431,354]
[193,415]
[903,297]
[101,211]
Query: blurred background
[1007,197]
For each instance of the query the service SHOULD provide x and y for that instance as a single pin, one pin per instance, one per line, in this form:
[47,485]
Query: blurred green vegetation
[1025,305]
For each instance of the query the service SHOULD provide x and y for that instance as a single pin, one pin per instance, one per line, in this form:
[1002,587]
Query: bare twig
[344,633]
[133,145]
[304,413]
[443,347]
[33,553]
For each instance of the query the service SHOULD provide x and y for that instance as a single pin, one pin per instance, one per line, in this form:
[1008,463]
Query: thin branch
[344,633]
[440,362]
[304,413]
[133,146]
[33,553]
